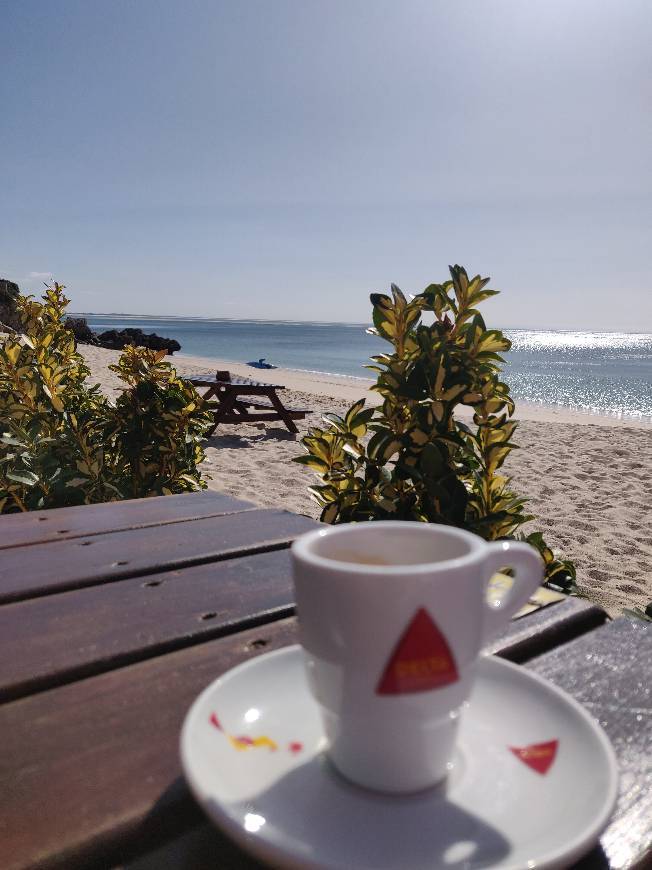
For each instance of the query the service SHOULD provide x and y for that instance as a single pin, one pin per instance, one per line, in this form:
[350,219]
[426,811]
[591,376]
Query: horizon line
[367,325]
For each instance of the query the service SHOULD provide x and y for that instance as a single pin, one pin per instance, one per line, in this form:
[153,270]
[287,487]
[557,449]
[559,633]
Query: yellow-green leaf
[12,351]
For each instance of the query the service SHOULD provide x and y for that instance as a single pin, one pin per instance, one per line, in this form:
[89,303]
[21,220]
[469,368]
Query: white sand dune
[587,477]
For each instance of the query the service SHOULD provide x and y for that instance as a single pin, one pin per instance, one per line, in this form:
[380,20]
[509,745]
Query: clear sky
[283,158]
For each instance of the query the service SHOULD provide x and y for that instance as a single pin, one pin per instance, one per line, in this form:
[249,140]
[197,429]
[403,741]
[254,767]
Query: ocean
[594,372]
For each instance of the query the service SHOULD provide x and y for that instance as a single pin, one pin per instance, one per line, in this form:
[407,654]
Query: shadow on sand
[234,441]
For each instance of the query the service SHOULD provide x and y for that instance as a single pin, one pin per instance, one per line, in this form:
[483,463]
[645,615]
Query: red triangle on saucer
[538,756]
[421,660]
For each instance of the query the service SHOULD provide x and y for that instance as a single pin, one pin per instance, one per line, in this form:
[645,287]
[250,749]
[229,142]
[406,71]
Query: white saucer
[251,749]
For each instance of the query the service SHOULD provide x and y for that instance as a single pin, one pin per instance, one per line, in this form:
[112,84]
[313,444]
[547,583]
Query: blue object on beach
[602,372]
[261,364]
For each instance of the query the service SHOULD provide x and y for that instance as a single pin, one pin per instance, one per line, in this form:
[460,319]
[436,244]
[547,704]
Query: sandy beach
[586,477]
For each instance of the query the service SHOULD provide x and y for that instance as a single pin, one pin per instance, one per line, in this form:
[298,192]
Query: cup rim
[302,548]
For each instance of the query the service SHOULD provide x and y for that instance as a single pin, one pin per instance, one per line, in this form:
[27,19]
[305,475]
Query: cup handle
[529,574]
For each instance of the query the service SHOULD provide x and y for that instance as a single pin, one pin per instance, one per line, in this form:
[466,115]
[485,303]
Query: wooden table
[238,400]
[114,617]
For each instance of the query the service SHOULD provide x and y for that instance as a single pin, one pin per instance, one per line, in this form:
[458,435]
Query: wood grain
[75,634]
[588,669]
[89,768]
[43,569]
[608,671]
[201,848]
[547,628]
[35,527]
[89,771]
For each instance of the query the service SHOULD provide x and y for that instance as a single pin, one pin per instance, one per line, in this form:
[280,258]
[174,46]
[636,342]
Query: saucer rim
[268,850]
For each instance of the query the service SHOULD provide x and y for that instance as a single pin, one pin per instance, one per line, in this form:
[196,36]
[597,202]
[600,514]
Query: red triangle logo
[538,756]
[421,661]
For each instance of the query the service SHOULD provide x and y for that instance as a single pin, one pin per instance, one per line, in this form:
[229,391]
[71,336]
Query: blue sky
[276,159]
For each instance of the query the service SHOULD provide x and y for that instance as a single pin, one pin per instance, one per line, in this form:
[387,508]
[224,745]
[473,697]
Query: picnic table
[238,400]
[114,617]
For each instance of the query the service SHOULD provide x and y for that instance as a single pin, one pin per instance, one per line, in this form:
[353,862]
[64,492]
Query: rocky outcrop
[81,330]
[8,294]
[116,339]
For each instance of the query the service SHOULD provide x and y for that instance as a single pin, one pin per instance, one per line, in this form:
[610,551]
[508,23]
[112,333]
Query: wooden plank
[123,728]
[43,569]
[64,637]
[212,381]
[72,635]
[89,768]
[201,848]
[73,522]
[547,628]
[608,671]
[261,406]
[628,840]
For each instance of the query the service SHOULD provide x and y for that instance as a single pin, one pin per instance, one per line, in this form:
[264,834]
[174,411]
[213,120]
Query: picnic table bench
[114,617]
[238,400]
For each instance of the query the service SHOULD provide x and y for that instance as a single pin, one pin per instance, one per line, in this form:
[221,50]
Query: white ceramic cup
[392,618]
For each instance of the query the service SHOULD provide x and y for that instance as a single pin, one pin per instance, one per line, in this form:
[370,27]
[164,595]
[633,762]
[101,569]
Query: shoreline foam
[340,386]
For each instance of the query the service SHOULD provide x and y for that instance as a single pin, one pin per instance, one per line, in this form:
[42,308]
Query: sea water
[596,372]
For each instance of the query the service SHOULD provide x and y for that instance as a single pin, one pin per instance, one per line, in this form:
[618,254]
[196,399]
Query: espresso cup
[392,619]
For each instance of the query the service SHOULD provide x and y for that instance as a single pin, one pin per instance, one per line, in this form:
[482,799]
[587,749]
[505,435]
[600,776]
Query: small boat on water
[261,364]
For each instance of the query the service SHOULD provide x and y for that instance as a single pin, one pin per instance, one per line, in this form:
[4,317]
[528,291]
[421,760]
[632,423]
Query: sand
[587,477]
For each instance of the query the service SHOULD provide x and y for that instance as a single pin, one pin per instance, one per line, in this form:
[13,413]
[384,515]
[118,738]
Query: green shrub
[421,461]
[63,443]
